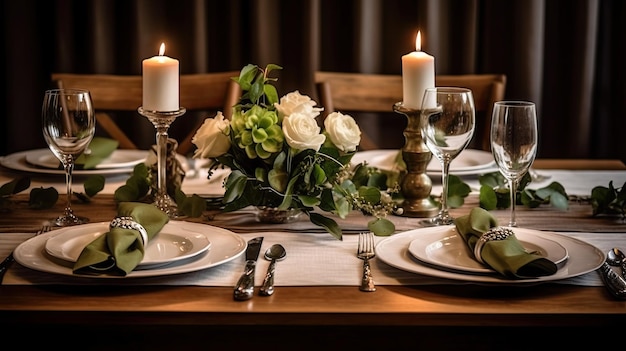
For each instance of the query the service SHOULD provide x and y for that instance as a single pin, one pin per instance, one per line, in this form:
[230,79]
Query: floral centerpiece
[281,158]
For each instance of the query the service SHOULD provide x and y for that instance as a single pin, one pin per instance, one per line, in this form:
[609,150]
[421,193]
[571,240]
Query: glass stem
[68,165]
[443,213]
[513,221]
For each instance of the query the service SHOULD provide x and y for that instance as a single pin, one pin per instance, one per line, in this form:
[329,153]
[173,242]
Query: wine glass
[447,124]
[514,142]
[68,123]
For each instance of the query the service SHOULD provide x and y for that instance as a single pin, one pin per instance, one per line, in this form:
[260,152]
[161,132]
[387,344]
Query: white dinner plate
[446,249]
[17,161]
[118,159]
[468,162]
[583,258]
[164,248]
[225,246]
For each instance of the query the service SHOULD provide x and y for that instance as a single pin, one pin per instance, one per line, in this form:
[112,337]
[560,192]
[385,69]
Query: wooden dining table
[434,316]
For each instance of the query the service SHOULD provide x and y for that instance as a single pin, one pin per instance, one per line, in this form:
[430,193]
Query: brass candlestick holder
[416,185]
[161,121]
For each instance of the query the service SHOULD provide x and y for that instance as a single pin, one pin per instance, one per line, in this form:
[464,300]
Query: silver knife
[245,286]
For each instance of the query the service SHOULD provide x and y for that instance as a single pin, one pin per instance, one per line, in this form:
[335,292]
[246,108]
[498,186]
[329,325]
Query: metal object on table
[275,253]
[615,284]
[616,257]
[245,286]
[416,185]
[365,252]
[8,261]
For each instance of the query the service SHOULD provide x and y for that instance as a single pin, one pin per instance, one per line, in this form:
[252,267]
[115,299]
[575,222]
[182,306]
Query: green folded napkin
[99,149]
[120,250]
[505,255]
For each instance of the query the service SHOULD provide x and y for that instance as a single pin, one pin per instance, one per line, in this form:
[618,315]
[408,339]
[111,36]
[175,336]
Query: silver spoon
[275,253]
[616,257]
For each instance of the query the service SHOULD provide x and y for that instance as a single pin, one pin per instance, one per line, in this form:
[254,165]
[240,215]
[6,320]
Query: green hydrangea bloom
[257,132]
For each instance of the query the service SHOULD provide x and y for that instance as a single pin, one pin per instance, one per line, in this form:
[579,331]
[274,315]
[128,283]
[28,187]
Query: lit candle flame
[162,49]
[418,41]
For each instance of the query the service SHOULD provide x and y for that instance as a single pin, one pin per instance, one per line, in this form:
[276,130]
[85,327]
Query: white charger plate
[583,258]
[118,159]
[225,246]
[468,162]
[448,250]
[164,248]
[17,161]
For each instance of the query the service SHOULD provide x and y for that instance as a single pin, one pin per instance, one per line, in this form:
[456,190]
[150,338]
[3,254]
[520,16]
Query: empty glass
[514,142]
[68,124]
[447,123]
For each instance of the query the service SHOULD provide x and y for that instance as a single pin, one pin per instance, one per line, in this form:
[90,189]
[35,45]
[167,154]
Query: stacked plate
[441,252]
[43,161]
[468,162]
[180,247]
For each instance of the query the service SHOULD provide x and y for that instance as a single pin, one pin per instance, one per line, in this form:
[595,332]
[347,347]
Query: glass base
[438,220]
[69,220]
[167,205]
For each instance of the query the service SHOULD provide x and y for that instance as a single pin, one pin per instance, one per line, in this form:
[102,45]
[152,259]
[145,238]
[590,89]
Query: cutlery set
[244,290]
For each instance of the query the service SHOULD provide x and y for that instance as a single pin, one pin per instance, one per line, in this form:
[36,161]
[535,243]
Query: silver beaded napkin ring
[130,223]
[497,233]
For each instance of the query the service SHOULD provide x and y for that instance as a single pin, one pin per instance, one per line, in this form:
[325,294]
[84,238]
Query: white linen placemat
[312,260]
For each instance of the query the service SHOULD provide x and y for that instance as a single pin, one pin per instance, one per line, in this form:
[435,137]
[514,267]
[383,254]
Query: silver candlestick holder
[416,185]
[162,121]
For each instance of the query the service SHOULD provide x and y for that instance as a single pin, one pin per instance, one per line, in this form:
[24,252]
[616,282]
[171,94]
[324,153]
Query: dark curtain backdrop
[568,56]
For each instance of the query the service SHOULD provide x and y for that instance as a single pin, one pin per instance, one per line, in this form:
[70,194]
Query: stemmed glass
[447,124]
[68,124]
[514,142]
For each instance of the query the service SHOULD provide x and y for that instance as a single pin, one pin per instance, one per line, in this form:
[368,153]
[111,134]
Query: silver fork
[365,251]
[8,261]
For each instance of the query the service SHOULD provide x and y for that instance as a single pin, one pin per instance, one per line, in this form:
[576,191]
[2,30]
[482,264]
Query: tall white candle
[160,83]
[418,74]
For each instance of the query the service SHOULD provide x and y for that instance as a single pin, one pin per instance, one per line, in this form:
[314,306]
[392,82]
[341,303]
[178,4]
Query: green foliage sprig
[494,193]
[44,198]
[609,200]
[138,188]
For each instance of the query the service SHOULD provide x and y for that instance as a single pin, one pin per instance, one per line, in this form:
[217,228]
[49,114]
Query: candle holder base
[161,121]
[416,185]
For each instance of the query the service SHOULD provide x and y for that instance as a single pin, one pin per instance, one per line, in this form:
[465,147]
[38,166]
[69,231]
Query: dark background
[567,56]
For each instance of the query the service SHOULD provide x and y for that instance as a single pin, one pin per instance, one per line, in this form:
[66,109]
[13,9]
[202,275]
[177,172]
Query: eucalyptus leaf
[15,186]
[381,227]
[369,194]
[192,206]
[487,198]
[42,198]
[329,224]
[94,184]
[126,193]
[559,201]
[342,207]
[235,186]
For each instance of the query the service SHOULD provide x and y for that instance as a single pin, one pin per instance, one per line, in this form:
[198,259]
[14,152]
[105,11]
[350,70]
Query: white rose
[211,139]
[343,131]
[302,132]
[295,102]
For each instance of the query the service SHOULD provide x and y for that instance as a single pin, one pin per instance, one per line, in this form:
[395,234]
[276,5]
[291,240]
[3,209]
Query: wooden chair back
[358,92]
[198,92]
